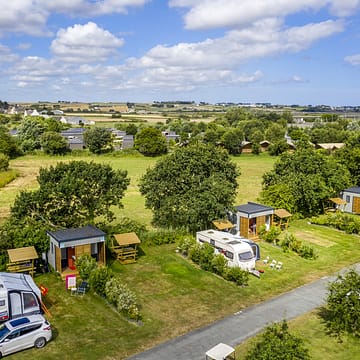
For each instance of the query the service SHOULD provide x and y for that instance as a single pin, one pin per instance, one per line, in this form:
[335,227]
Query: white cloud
[6,55]
[353,59]
[90,7]
[31,16]
[23,16]
[205,14]
[24,46]
[85,43]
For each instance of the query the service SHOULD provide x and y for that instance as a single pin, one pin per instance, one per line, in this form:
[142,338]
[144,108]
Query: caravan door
[15,305]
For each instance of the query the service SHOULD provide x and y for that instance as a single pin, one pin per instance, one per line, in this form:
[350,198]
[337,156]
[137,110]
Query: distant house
[250,217]
[67,245]
[352,197]
[128,142]
[246,147]
[171,136]
[264,145]
[74,137]
[329,146]
[75,120]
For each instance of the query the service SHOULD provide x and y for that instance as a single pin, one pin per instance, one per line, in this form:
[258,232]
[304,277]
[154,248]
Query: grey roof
[354,189]
[86,232]
[253,208]
[75,130]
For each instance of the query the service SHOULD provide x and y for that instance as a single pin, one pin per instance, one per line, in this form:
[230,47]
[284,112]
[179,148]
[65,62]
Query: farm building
[352,197]
[66,245]
[250,217]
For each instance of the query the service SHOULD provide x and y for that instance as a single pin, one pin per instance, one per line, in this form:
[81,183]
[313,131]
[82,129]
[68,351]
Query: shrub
[194,253]
[7,176]
[98,279]
[271,236]
[206,256]
[185,244]
[219,264]
[4,162]
[235,274]
[85,264]
[122,297]
[307,252]
[343,304]
[161,237]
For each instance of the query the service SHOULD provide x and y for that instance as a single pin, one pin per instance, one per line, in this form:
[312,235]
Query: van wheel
[40,343]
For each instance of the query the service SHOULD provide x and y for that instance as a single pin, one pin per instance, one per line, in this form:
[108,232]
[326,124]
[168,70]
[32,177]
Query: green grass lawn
[174,295]
[311,328]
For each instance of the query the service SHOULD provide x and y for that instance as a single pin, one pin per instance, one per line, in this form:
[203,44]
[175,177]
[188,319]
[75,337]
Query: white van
[237,252]
[19,296]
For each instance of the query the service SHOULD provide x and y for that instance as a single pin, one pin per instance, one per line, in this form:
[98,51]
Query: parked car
[24,332]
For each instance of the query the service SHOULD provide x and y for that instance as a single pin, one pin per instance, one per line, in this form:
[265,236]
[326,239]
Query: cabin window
[30,303]
[347,198]
[248,255]
[229,255]
[52,248]
[94,249]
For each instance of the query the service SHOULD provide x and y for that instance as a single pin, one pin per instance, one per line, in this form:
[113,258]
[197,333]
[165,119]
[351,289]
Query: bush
[343,304]
[307,252]
[290,242]
[195,253]
[238,276]
[206,256]
[219,264]
[122,297]
[7,176]
[271,236]
[161,237]
[98,279]
[185,244]
[85,264]
[4,162]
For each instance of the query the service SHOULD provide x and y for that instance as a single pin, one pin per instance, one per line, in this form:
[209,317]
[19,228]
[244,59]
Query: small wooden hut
[22,260]
[282,217]
[125,247]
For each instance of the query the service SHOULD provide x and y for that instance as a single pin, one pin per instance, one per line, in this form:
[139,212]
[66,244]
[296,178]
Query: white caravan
[19,296]
[237,252]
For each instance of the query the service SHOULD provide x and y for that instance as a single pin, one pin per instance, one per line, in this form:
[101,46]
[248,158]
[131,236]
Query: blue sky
[280,51]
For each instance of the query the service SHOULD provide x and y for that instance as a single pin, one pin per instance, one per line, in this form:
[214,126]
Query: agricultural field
[174,295]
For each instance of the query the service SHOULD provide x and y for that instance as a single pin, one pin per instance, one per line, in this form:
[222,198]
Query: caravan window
[30,302]
[248,255]
[229,254]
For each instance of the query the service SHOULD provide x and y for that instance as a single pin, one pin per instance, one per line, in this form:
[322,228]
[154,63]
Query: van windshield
[3,331]
[248,255]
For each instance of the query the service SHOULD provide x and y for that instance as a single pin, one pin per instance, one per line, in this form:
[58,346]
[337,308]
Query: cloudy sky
[278,51]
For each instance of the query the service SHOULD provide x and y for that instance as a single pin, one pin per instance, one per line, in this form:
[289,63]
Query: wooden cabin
[22,260]
[67,245]
[264,145]
[125,246]
[246,147]
[251,217]
[352,199]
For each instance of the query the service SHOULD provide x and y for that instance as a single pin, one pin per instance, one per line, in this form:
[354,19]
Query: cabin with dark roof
[352,197]
[250,217]
[67,245]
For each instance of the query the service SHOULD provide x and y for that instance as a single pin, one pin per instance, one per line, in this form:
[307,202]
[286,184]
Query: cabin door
[71,257]
[356,205]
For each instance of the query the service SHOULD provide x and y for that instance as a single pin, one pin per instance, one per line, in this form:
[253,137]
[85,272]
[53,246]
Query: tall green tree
[8,144]
[150,142]
[72,194]
[190,187]
[29,132]
[309,176]
[98,139]
[53,143]
[231,140]
[277,343]
[343,304]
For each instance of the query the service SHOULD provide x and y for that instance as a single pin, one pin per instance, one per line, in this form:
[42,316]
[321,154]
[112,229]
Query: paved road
[234,329]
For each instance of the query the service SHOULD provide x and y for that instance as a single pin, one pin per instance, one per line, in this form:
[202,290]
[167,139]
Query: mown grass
[312,329]
[174,295]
